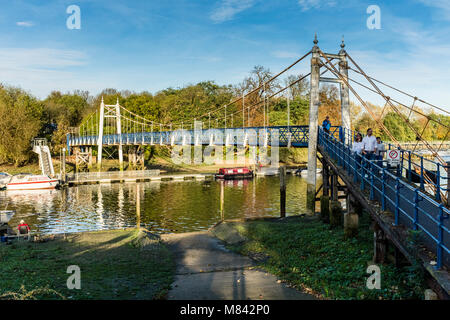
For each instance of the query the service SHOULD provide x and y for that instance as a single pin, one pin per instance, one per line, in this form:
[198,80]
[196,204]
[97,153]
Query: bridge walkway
[396,205]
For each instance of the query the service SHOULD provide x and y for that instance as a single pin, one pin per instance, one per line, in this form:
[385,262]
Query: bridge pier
[313,129]
[345,94]
[119,132]
[351,218]
[100,136]
[379,244]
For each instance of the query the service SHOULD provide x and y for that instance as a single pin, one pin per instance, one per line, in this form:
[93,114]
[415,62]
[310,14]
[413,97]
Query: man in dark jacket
[326,124]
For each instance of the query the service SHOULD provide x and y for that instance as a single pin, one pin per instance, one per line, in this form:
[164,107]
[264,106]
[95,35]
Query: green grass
[310,256]
[114,265]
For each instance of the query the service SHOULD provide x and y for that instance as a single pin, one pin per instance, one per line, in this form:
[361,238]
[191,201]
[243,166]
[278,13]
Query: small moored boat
[234,173]
[4,179]
[25,181]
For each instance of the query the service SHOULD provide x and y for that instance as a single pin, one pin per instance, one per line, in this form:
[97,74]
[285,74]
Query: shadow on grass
[313,257]
[112,267]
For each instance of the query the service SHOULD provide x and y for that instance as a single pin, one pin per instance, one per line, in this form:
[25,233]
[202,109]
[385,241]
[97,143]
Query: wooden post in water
[138,206]
[283,191]
[222,200]
[63,164]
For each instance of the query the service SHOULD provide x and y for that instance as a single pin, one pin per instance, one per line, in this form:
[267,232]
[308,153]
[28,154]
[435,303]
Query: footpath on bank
[207,270]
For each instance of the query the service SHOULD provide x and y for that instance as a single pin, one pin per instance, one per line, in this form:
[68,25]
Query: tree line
[24,117]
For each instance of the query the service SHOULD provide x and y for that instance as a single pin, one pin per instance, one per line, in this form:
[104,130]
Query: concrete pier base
[351,221]
[335,214]
[325,209]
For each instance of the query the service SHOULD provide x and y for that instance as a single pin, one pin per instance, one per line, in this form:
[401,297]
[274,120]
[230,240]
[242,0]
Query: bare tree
[299,89]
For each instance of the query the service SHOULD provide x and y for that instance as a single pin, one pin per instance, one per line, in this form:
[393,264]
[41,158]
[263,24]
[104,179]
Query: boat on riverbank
[4,179]
[26,181]
[234,173]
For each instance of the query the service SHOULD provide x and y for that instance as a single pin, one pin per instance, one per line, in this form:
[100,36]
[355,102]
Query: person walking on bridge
[326,125]
[370,146]
[357,148]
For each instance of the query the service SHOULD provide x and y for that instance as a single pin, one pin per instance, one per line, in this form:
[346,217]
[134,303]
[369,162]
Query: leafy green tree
[20,122]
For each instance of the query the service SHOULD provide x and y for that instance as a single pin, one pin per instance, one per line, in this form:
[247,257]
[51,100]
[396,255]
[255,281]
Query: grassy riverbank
[310,256]
[118,264]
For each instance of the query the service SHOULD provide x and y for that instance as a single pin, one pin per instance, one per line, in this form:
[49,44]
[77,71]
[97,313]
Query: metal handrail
[428,214]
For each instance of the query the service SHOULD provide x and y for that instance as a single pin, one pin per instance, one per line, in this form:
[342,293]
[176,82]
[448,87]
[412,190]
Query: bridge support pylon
[100,135]
[119,133]
[313,129]
[345,93]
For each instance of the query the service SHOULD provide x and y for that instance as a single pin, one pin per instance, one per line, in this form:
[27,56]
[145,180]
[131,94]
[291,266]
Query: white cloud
[41,70]
[418,68]
[25,23]
[315,4]
[284,54]
[443,7]
[229,8]
[45,58]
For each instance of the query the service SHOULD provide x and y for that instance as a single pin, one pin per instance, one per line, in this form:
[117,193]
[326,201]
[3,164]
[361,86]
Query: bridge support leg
[345,95]
[325,209]
[351,218]
[313,130]
[334,187]
[326,179]
[380,244]
[335,213]
[119,133]
[100,136]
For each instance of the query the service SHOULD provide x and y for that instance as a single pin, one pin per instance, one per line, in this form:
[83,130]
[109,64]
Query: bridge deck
[410,207]
[296,136]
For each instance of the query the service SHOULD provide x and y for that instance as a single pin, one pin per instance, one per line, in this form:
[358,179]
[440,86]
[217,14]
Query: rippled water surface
[166,207]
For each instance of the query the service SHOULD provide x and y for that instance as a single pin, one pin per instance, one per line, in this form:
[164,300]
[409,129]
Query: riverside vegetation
[24,117]
[116,264]
[311,256]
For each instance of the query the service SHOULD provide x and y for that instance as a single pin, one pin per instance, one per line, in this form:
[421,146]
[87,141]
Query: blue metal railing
[297,135]
[429,175]
[411,207]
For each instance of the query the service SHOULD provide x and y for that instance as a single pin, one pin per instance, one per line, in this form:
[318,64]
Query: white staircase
[45,158]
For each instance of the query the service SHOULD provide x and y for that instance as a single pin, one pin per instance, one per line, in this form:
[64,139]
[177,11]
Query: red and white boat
[25,181]
[234,173]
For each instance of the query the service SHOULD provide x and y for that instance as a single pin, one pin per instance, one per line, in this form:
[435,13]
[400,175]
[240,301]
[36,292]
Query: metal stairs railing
[45,158]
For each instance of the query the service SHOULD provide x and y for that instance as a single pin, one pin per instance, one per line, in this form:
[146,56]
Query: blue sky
[150,45]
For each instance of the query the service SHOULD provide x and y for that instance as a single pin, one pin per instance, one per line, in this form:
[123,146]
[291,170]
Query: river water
[166,207]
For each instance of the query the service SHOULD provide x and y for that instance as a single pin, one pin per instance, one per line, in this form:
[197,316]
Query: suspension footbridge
[415,193]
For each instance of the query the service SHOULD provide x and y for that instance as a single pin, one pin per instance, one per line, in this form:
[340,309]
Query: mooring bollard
[222,200]
[283,191]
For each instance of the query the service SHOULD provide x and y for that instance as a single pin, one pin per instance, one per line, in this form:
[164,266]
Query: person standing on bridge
[326,125]
[381,150]
[357,148]
[370,146]
[358,145]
